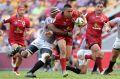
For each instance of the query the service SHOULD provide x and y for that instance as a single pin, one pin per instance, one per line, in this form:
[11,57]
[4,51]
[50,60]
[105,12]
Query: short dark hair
[100,2]
[67,6]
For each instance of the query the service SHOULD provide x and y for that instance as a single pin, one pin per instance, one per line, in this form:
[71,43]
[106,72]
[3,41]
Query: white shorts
[39,43]
[116,44]
[83,52]
[82,62]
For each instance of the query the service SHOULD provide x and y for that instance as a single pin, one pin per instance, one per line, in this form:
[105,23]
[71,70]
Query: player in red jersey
[95,20]
[18,24]
[62,28]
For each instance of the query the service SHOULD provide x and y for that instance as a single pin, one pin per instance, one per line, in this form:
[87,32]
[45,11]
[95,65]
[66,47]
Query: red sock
[88,57]
[63,63]
[16,68]
[99,63]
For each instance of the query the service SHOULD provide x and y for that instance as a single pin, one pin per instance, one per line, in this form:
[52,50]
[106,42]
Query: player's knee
[26,53]
[44,57]
[99,53]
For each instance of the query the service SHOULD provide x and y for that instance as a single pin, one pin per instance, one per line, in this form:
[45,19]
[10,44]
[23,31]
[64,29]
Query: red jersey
[17,28]
[64,24]
[95,24]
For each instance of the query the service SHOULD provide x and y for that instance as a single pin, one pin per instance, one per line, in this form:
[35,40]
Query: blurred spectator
[60,4]
[2,6]
[91,3]
[39,9]
[82,3]
[8,7]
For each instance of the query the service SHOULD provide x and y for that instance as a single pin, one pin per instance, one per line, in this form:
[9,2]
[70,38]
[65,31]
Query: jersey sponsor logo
[96,26]
[68,28]
[18,30]
[22,22]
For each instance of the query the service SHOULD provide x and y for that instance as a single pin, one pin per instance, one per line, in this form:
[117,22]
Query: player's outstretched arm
[58,31]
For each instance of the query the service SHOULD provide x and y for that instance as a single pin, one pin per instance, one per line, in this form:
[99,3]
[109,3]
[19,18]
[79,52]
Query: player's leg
[69,50]
[45,56]
[47,65]
[83,69]
[74,68]
[98,56]
[16,59]
[115,54]
[56,65]
[62,47]
[69,44]
[94,71]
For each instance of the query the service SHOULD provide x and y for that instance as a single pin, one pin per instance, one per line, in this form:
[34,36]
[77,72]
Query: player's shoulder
[12,16]
[26,18]
[59,15]
[91,12]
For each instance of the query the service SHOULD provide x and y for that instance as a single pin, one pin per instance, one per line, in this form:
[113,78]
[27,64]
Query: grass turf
[58,75]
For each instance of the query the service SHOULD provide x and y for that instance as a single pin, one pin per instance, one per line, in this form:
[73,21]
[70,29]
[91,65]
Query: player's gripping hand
[107,27]
[49,33]
[69,34]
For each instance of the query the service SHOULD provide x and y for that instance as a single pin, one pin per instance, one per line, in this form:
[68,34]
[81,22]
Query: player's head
[99,7]
[54,11]
[67,11]
[21,10]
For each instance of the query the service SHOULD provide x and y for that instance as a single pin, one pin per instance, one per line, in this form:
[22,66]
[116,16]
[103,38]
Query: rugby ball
[79,21]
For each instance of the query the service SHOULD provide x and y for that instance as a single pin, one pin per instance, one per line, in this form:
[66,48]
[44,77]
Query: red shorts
[69,40]
[90,41]
[19,42]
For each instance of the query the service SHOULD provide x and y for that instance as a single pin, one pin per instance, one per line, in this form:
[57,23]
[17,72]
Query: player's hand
[107,27]
[70,34]
[49,33]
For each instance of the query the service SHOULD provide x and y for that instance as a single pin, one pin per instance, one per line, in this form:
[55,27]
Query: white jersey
[117,22]
[82,53]
[42,41]
[117,41]
[42,31]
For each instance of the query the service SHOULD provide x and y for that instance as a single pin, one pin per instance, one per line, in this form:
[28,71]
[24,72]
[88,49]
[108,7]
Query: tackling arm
[58,31]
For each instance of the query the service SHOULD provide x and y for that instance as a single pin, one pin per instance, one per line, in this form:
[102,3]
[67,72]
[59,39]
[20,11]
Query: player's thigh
[29,51]
[69,50]
[95,48]
[62,45]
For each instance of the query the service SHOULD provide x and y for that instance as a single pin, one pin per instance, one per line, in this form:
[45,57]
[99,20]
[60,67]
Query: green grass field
[57,75]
